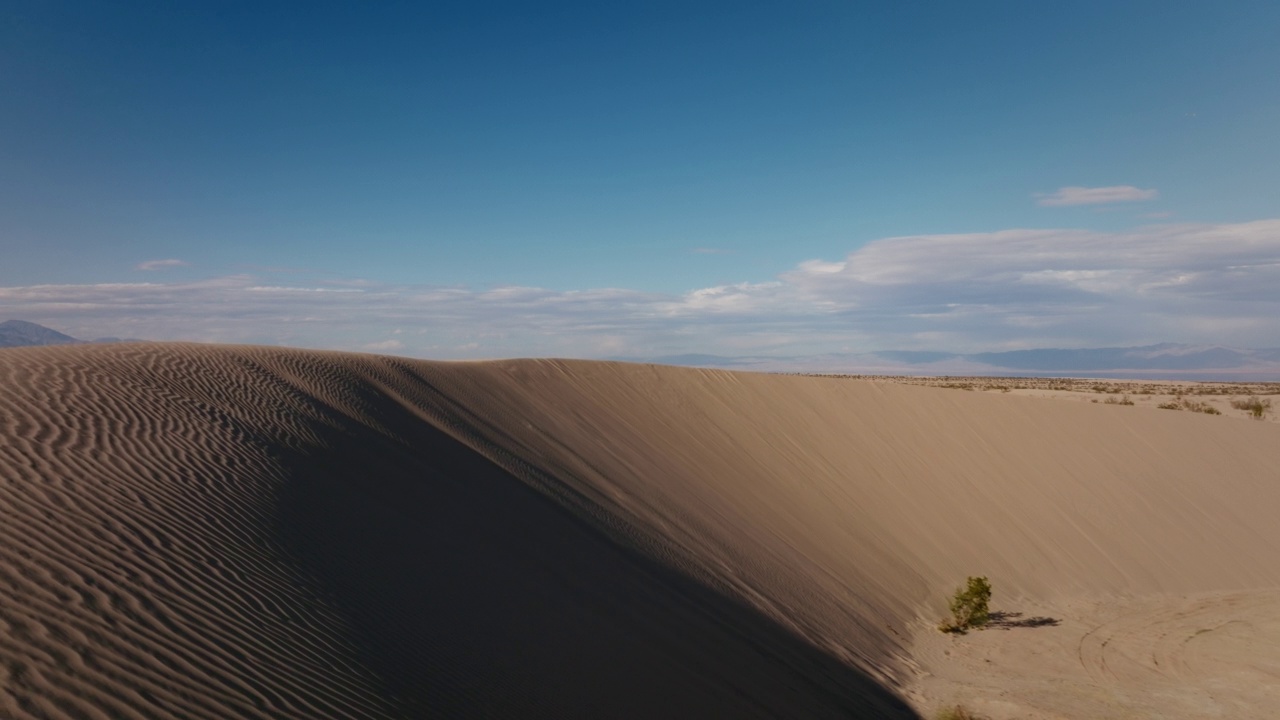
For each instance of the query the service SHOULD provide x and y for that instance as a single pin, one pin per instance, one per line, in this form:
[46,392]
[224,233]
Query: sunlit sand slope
[849,511]
[195,531]
[204,532]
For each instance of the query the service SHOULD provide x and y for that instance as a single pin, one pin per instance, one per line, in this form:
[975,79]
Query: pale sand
[1211,398]
[208,532]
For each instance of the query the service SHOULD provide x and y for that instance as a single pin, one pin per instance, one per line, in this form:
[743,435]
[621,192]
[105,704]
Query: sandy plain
[1251,400]
[209,532]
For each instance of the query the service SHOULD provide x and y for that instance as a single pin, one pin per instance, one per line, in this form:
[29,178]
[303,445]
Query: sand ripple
[211,532]
[203,532]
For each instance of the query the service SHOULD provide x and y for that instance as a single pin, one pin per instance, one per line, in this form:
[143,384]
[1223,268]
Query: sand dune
[207,532]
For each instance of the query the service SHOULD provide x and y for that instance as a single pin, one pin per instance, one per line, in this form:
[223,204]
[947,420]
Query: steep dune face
[223,531]
[237,532]
[891,493]
[850,510]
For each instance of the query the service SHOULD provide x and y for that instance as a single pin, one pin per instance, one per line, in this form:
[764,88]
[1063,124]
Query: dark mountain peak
[20,333]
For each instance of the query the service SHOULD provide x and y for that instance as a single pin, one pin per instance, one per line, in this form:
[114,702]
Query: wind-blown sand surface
[210,532]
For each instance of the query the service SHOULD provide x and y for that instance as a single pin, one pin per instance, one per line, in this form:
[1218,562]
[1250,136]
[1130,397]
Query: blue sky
[495,179]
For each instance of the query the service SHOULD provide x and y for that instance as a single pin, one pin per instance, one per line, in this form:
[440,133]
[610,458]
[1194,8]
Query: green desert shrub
[969,606]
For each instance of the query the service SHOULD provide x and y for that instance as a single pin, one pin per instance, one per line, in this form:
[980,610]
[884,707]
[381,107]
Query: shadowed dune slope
[205,531]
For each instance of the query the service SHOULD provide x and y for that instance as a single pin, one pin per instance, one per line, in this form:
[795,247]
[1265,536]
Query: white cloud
[161,264]
[962,292]
[822,267]
[1094,196]
[1076,287]
[741,298]
[288,289]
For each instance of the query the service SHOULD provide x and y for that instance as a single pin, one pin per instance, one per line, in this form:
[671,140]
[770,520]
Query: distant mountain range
[19,333]
[1167,360]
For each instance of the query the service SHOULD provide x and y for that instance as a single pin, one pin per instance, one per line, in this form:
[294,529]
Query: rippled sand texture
[204,532]
[210,532]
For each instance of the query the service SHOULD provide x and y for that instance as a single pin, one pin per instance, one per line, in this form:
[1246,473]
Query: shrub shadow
[1009,620]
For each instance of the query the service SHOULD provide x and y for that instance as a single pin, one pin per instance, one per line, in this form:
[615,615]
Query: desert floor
[1249,400]
[223,531]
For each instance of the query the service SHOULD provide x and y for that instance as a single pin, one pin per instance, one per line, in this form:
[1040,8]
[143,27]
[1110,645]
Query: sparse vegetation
[959,712]
[969,607]
[1144,389]
[1254,398]
[1255,406]
[1191,405]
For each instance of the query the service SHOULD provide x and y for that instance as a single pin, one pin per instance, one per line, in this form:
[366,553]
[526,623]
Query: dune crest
[204,531]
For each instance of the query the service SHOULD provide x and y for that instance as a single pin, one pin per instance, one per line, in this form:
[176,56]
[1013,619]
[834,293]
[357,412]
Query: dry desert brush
[1192,405]
[1255,406]
[969,607]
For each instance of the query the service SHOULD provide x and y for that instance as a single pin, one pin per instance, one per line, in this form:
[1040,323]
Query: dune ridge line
[233,531]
